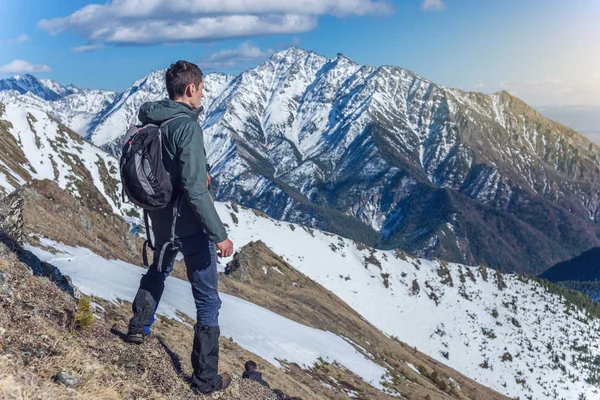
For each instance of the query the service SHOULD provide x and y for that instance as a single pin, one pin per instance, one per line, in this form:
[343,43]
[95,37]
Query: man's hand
[225,248]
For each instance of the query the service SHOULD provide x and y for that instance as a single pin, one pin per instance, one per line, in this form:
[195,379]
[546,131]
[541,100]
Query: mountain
[306,341]
[584,267]
[397,324]
[73,107]
[391,159]
[109,125]
[293,294]
[386,157]
[581,273]
[46,89]
[37,146]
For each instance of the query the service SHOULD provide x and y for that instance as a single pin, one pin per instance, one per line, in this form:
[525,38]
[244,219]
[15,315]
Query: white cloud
[433,5]
[23,67]
[164,21]
[87,48]
[244,54]
[19,39]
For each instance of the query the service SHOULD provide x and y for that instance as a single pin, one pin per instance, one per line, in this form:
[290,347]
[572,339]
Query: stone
[66,379]
[11,217]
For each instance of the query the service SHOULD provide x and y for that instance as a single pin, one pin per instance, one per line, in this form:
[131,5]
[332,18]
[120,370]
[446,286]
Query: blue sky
[544,51]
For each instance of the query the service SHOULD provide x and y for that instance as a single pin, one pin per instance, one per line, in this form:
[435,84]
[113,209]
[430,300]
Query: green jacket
[184,159]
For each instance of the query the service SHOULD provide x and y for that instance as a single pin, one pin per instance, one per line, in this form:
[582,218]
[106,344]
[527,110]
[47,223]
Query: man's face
[197,94]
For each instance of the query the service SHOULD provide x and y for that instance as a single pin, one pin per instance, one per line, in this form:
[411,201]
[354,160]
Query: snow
[50,151]
[411,366]
[461,324]
[256,329]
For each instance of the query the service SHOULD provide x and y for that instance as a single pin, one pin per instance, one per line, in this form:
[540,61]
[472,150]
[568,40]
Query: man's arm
[192,169]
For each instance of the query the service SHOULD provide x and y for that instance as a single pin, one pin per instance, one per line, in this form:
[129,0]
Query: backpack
[145,180]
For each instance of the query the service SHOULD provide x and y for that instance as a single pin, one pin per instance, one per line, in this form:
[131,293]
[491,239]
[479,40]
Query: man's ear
[189,90]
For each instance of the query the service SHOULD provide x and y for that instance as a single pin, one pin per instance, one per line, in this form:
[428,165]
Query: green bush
[84,317]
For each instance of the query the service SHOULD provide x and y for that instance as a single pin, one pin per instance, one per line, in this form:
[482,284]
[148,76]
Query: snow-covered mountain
[73,107]
[109,125]
[504,331]
[45,89]
[389,158]
[385,156]
[36,146]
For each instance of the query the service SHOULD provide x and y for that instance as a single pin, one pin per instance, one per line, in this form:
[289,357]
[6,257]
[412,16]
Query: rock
[237,270]
[133,367]
[66,379]
[11,217]
[6,291]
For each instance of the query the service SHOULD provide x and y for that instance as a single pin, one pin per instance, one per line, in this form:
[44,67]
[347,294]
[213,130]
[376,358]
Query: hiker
[196,231]
[252,374]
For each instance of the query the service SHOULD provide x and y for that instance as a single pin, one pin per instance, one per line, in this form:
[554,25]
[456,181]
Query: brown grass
[54,213]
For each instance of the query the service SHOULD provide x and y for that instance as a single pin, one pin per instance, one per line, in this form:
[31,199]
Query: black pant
[201,263]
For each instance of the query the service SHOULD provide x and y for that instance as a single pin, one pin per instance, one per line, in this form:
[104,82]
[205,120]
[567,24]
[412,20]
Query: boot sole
[134,340]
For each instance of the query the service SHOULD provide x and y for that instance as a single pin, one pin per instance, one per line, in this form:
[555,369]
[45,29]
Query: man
[198,226]
[252,374]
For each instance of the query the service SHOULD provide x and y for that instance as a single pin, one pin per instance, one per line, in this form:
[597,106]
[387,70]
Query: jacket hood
[157,112]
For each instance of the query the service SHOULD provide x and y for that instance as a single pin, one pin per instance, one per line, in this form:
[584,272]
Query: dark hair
[180,75]
[250,366]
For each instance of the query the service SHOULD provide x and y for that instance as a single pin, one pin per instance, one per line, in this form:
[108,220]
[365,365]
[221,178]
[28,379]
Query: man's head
[185,82]
[250,366]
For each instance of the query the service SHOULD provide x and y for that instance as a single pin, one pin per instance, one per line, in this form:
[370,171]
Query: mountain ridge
[314,140]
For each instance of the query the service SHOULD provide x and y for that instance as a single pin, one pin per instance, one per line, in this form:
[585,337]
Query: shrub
[84,317]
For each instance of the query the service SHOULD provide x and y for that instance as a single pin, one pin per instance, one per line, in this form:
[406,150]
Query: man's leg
[201,262]
[149,293]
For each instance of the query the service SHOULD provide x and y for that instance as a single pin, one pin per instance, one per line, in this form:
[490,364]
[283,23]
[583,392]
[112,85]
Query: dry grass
[54,213]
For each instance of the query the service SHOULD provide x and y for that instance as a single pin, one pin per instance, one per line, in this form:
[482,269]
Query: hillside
[581,273]
[36,146]
[466,317]
[384,156]
[297,357]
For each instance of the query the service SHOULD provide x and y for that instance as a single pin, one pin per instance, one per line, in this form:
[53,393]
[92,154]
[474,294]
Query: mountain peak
[293,54]
[45,89]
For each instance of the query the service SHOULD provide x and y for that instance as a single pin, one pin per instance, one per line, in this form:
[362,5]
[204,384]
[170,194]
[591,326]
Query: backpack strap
[147,242]
[171,244]
[174,118]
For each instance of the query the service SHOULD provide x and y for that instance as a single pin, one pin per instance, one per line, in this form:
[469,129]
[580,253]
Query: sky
[546,52]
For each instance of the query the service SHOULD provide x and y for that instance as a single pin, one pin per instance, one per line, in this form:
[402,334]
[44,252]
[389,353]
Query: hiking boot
[136,338]
[225,381]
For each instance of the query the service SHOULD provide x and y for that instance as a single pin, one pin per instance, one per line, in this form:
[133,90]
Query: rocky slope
[385,156]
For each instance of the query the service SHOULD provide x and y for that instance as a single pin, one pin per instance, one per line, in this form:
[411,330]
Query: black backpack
[145,180]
